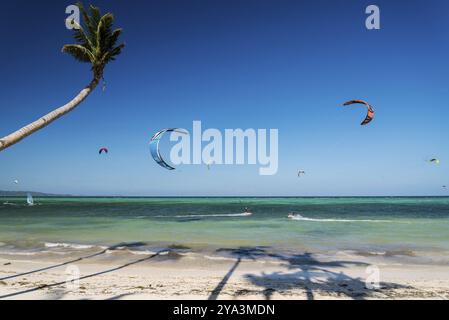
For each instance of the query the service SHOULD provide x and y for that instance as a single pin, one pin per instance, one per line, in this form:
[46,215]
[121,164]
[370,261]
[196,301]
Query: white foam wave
[29,253]
[67,245]
[134,252]
[301,218]
[18,253]
[243,214]
[218,258]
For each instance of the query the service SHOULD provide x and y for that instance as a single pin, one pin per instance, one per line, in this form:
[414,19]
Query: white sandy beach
[189,276]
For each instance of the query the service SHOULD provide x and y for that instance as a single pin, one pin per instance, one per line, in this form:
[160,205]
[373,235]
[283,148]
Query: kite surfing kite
[16,181]
[369,115]
[209,164]
[435,161]
[105,150]
[300,172]
[154,146]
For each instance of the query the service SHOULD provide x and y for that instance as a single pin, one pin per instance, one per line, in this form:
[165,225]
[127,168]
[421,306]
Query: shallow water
[366,225]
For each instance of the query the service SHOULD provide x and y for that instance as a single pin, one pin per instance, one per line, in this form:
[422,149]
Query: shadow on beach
[241,253]
[170,254]
[304,273]
[114,247]
[309,274]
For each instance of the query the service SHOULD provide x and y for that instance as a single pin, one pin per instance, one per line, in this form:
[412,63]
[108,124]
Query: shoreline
[245,273]
[206,249]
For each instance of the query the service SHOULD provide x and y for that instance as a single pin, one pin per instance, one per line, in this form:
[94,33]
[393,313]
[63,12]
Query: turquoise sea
[411,225]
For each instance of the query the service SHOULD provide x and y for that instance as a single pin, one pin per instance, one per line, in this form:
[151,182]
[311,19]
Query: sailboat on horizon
[30,200]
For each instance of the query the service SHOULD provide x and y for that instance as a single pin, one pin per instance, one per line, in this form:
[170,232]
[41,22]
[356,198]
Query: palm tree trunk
[44,121]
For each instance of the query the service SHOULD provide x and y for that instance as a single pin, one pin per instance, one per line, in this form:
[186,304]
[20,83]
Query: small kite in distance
[369,115]
[103,150]
[209,164]
[16,181]
[435,161]
[300,172]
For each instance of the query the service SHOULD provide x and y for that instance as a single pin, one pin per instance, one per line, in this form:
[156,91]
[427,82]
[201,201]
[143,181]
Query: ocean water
[410,226]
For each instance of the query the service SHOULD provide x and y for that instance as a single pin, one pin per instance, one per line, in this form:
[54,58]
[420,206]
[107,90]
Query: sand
[192,276]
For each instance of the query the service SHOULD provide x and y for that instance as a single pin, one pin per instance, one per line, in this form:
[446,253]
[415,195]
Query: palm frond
[95,15]
[95,39]
[112,39]
[81,37]
[110,55]
[91,28]
[79,52]
[104,30]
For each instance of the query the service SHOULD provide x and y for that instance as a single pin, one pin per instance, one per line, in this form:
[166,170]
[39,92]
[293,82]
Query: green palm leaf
[79,52]
[112,39]
[96,41]
[104,30]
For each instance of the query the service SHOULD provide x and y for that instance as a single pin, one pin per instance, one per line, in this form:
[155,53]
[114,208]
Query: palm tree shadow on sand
[241,253]
[311,275]
[114,247]
[169,251]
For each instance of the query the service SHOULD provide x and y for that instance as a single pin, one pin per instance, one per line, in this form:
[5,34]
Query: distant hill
[24,193]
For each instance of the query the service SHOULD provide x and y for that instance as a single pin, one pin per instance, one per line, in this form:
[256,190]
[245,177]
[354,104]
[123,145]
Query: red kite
[369,115]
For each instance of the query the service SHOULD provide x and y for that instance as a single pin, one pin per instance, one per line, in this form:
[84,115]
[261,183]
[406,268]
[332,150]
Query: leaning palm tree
[96,44]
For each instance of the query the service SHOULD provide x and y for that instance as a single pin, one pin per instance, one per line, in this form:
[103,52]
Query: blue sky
[287,65]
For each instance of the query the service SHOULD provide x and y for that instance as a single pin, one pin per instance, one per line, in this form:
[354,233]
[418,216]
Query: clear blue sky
[233,64]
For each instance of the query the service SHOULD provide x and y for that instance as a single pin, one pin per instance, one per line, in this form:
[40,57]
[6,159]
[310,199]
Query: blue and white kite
[154,146]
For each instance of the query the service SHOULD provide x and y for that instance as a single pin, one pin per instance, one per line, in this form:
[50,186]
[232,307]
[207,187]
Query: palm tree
[96,44]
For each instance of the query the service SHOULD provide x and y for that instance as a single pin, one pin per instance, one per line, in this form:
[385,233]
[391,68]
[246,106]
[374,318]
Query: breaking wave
[299,217]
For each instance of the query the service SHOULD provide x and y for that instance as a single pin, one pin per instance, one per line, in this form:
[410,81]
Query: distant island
[33,193]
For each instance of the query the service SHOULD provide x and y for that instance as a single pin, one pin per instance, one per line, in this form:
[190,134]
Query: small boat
[30,200]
